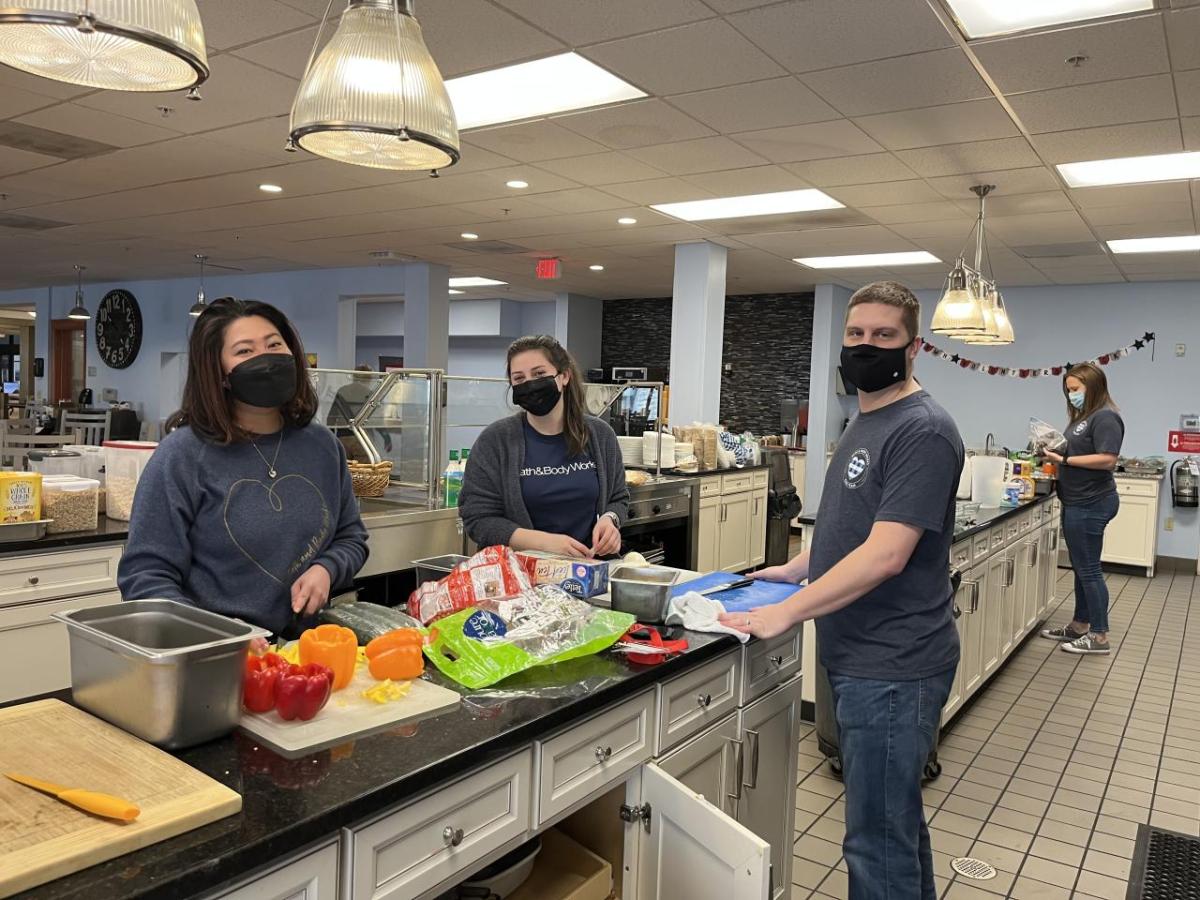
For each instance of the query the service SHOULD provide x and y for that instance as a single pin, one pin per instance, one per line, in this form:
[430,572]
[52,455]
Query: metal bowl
[642,591]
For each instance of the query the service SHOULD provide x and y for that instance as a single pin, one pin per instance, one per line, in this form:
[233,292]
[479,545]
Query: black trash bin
[783,505]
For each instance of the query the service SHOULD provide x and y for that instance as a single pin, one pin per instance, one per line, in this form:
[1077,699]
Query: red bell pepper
[303,691]
[261,680]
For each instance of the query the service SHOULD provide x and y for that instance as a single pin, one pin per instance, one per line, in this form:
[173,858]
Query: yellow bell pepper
[334,647]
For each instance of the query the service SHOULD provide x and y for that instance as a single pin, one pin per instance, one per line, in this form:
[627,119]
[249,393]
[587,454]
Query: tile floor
[1049,771]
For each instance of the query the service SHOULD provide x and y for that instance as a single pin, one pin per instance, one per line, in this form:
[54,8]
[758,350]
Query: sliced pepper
[334,647]
[396,655]
[386,691]
[303,691]
[260,681]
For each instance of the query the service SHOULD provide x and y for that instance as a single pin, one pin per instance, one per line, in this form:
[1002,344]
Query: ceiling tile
[806,35]
[587,23]
[909,82]
[473,35]
[1008,181]
[15,80]
[658,190]
[1183,38]
[1137,213]
[976,119]
[231,23]
[1125,48]
[820,140]
[939,211]
[533,141]
[870,168]
[15,101]
[81,121]
[886,194]
[286,54]
[757,105]
[1187,88]
[828,241]
[731,6]
[1110,142]
[1089,105]
[13,160]
[682,59]
[580,200]
[953,159]
[602,168]
[1191,132]
[638,124]
[702,155]
[739,182]
[1040,228]
[1019,204]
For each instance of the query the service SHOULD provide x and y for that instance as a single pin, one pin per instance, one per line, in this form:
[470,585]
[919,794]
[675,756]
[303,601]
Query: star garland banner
[1044,371]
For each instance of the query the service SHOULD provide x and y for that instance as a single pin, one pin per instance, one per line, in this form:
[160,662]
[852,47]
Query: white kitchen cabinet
[968,600]
[707,764]
[734,525]
[1049,568]
[708,538]
[758,529]
[1031,556]
[799,467]
[1131,538]
[995,634]
[312,875]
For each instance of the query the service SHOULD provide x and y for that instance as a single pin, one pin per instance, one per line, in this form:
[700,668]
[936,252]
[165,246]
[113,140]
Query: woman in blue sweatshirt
[246,509]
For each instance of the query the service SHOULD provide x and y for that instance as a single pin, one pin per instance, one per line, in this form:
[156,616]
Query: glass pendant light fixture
[374,96]
[119,45]
[200,305]
[79,311]
[958,311]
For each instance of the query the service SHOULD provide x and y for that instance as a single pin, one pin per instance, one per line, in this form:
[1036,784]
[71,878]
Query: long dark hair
[574,409]
[207,404]
[1095,391]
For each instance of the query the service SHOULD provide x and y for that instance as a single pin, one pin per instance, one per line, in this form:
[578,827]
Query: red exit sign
[548,269]
[1183,442]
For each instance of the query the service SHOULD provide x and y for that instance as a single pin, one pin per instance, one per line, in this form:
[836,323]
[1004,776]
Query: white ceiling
[881,103]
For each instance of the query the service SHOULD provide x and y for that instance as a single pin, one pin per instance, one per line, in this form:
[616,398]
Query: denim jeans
[886,731]
[1083,527]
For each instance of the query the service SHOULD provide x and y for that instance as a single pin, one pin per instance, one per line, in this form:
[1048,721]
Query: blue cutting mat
[760,593]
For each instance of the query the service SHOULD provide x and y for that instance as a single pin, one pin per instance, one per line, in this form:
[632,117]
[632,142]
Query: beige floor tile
[1175,823]
[1057,851]
[954,823]
[1112,866]
[952,844]
[818,850]
[965,806]
[804,820]
[961,890]
[1018,821]
[829,830]
[1035,806]
[1004,858]
[836,885]
[1095,885]
[1113,845]
[1065,832]
[1005,837]
[1187,808]
[1028,889]
[1130,795]
[800,893]
[813,803]
[1125,811]
[1050,872]
[807,873]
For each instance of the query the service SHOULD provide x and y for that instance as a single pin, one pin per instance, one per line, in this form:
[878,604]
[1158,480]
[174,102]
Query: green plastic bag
[487,643]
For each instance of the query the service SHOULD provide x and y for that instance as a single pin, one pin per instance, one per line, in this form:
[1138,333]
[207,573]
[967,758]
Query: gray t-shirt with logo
[901,464]
[1101,432]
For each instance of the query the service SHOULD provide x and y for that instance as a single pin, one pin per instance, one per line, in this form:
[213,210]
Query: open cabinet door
[693,851]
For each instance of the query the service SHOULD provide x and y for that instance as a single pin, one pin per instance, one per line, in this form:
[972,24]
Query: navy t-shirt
[1101,432]
[560,492]
[901,464]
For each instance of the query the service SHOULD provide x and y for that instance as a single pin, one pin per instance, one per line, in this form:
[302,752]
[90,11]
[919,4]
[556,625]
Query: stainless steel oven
[662,522]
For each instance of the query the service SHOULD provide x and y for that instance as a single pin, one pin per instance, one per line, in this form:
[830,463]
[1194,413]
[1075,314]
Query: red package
[491,574]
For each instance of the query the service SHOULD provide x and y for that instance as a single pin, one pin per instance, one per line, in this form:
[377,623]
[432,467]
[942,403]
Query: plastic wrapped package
[480,646]
[493,573]
[1043,436]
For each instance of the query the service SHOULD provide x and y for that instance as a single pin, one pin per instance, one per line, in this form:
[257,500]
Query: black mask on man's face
[870,368]
[537,396]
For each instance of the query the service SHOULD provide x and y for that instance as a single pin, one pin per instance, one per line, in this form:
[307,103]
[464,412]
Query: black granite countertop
[288,804]
[107,531]
[986,519]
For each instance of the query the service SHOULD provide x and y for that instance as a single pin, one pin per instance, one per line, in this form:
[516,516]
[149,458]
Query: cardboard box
[565,870]
[578,577]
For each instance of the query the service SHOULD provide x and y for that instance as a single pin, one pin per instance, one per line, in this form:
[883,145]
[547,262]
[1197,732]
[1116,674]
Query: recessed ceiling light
[773,204]
[540,88]
[467,281]
[626,220]
[453,291]
[469,236]
[869,260]
[270,188]
[984,18]
[32,313]
[596,268]
[1156,244]
[1132,169]
[517,183]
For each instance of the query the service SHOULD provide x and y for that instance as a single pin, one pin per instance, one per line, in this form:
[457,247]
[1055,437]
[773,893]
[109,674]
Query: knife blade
[94,802]
[732,586]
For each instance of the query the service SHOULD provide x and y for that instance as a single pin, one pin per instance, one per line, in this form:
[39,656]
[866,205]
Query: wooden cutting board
[42,838]
[348,715]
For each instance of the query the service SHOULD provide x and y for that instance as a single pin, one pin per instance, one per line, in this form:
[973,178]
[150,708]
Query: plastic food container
[20,497]
[643,591]
[72,504]
[166,672]
[93,465]
[124,462]
[435,568]
[56,462]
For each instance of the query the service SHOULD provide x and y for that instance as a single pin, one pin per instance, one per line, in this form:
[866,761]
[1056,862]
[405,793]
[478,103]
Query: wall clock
[118,329]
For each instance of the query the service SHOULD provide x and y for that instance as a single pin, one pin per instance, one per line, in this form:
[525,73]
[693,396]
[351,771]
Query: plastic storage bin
[124,462]
[93,465]
[71,503]
[56,462]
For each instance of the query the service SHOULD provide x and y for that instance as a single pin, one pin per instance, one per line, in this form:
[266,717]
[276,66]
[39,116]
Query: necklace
[271,473]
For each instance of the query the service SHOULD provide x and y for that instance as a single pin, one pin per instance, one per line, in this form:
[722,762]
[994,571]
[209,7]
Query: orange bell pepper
[331,646]
[396,655]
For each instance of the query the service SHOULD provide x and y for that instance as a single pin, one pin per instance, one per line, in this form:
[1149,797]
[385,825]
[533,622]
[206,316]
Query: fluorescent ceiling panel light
[270,189]
[517,184]
[869,260]
[1132,170]
[453,291]
[1156,244]
[528,90]
[596,268]
[469,236]
[626,220]
[468,281]
[773,204]
[985,18]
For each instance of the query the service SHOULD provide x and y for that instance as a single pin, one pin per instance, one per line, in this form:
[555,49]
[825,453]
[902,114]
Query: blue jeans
[886,731]
[1083,527]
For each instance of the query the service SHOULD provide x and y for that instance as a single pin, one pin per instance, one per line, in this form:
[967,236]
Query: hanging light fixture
[199,306]
[79,311]
[958,311]
[119,45]
[374,96]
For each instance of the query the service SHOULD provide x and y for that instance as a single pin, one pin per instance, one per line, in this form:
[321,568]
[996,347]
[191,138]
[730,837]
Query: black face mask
[267,381]
[538,396]
[872,368]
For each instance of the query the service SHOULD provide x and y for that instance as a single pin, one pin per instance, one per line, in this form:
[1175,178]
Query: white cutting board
[347,715]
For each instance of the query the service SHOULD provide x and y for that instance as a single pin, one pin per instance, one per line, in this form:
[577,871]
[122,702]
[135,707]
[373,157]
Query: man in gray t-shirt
[879,588]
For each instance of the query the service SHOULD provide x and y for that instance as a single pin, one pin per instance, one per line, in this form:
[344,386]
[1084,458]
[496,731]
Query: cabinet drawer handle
[452,836]
[704,701]
[777,660]
[603,753]
[33,579]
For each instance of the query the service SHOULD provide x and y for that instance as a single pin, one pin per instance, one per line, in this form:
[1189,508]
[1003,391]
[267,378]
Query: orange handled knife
[89,801]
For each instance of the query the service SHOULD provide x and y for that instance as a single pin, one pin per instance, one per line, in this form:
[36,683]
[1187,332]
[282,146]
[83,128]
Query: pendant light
[199,306]
[958,312]
[374,96]
[119,45]
[79,311]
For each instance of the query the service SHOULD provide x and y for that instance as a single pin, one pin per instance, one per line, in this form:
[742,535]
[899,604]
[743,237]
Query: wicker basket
[370,480]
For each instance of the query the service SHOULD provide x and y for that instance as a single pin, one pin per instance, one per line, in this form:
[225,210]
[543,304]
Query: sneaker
[1063,635]
[1086,644]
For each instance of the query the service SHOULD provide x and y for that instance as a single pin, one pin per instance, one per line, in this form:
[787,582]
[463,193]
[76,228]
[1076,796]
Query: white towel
[698,613]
